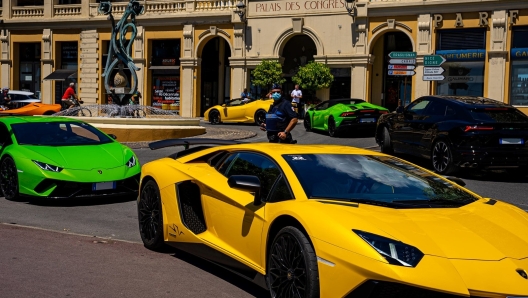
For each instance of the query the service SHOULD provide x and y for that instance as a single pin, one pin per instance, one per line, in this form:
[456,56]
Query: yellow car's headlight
[395,252]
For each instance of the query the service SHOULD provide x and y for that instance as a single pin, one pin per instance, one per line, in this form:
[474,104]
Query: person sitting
[68,96]
[245,96]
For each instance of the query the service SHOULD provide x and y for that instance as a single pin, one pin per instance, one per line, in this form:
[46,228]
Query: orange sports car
[32,108]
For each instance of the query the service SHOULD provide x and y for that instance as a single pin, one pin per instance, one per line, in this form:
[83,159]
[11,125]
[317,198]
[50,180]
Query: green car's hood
[89,157]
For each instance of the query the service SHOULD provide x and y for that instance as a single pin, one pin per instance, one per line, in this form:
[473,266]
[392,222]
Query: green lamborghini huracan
[62,158]
[339,115]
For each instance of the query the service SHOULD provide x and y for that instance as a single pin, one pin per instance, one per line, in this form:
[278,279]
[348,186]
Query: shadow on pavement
[75,202]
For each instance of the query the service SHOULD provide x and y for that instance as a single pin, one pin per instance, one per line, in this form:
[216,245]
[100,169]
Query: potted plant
[312,77]
[266,73]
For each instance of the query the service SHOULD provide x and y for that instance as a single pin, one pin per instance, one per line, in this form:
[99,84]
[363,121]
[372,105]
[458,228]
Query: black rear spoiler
[191,141]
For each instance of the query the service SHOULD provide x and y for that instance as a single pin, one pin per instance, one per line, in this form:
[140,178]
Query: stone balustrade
[67,10]
[215,5]
[27,12]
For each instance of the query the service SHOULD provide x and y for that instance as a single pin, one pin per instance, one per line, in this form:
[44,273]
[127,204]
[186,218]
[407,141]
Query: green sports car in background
[55,157]
[339,115]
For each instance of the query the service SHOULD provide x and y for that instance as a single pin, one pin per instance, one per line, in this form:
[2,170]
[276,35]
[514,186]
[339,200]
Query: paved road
[44,263]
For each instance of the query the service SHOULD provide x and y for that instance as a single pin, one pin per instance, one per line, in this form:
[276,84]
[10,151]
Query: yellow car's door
[234,111]
[235,221]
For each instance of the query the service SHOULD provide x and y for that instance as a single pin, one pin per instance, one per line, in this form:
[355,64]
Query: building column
[359,82]
[187,104]
[497,56]
[6,9]
[5,57]
[237,61]
[88,76]
[139,61]
[48,9]
[47,66]
[423,48]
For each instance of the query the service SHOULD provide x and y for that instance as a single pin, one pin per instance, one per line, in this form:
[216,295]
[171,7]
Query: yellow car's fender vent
[190,205]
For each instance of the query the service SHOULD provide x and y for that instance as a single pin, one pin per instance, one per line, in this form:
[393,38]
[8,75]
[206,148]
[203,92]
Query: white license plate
[367,120]
[511,141]
[103,186]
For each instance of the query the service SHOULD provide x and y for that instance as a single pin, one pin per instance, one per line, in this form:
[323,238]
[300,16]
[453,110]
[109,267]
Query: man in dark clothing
[400,107]
[280,119]
[5,99]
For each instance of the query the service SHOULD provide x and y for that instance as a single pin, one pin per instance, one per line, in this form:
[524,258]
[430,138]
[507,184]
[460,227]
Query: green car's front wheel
[9,178]
[307,122]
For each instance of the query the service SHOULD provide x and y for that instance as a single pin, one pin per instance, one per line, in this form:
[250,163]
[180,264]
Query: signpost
[434,60]
[401,73]
[402,61]
[402,64]
[405,55]
[402,67]
[433,78]
[432,70]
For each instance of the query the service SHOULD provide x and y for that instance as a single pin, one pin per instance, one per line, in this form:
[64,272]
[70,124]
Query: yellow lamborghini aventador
[332,221]
[238,111]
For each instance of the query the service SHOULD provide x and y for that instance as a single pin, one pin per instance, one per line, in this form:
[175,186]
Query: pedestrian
[245,96]
[5,98]
[400,107]
[69,95]
[136,98]
[280,119]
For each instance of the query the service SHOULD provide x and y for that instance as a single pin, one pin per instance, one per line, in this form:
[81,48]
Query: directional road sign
[402,61]
[433,78]
[433,70]
[403,55]
[401,67]
[401,73]
[433,60]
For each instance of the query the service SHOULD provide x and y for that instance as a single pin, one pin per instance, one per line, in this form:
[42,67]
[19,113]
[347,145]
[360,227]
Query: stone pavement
[210,133]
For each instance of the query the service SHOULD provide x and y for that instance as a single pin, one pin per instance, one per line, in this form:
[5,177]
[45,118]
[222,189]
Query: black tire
[292,266]
[442,158]
[49,113]
[9,179]
[307,123]
[385,142]
[332,130]
[260,117]
[84,112]
[150,216]
[214,117]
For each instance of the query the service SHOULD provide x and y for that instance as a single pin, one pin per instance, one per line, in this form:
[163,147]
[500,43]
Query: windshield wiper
[369,202]
[438,201]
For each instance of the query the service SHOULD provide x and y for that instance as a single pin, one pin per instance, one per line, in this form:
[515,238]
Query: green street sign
[405,55]
[433,60]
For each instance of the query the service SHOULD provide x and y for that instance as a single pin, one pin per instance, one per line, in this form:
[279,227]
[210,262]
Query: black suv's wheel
[260,117]
[150,216]
[214,117]
[385,142]
[307,122]
[332,130]
[442,158]
[292,266]
[9,179]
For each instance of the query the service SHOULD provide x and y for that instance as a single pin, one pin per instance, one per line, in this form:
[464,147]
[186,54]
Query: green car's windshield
[373,179]
[58,134]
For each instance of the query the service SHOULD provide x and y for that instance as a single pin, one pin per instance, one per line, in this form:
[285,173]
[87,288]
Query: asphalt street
[93,249]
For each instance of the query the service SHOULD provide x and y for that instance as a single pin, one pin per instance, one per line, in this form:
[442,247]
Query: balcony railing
[215,5]
[68,10]
[27,12]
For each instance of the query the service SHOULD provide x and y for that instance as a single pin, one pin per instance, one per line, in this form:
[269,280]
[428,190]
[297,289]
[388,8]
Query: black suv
[457,131]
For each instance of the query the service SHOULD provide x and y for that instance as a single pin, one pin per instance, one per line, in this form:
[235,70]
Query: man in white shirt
[296,95]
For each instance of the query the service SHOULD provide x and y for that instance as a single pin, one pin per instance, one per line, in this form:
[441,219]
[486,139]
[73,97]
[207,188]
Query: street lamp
[241,9]
[350,6]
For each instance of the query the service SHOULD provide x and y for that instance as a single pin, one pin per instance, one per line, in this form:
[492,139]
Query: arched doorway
[387,89]
[298,51]
[215,73]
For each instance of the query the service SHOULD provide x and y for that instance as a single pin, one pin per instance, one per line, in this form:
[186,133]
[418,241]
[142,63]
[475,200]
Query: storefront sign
[462,55]
[519,53]
[166,92]
[513,15]
[295,7]
[168,61]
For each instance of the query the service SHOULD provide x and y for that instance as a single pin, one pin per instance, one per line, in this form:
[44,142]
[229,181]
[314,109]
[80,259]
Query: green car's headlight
[395,252]
[47,167]
[131,162]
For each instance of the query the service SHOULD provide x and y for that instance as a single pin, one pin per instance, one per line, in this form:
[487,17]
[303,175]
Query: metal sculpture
[119,52]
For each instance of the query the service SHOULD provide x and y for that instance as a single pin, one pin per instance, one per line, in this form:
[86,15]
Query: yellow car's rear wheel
[150,216]
[292,266]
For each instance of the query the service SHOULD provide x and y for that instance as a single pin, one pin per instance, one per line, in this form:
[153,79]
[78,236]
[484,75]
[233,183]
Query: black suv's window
[246,163]
[500,115]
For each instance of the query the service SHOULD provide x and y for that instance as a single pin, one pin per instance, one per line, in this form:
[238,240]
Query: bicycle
[81,111]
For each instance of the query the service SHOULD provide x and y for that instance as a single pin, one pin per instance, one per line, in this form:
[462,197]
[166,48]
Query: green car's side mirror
[113,136]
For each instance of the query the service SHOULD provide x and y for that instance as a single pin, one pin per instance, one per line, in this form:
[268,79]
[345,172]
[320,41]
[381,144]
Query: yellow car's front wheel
[214,117]
[292,265]
[150,216]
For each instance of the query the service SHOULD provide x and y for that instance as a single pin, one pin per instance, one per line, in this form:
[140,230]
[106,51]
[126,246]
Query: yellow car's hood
[477,231]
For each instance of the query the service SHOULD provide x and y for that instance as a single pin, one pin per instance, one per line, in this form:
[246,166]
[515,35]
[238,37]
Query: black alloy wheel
[9,179]
[260,117]
[442,158]
[307,122]
[332,130]
[214,117]
[292,266]
[150,216]
[385,142]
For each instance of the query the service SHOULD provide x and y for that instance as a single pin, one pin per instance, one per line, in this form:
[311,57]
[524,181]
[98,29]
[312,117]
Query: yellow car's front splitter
[341,272]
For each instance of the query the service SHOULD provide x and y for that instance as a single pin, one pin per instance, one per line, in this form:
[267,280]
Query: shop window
[465,51]
[166,89]
[165,52]
[69,55]
[30,2]
[519,67]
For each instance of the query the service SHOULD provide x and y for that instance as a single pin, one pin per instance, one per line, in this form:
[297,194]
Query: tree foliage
[267,73]
[313,76]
